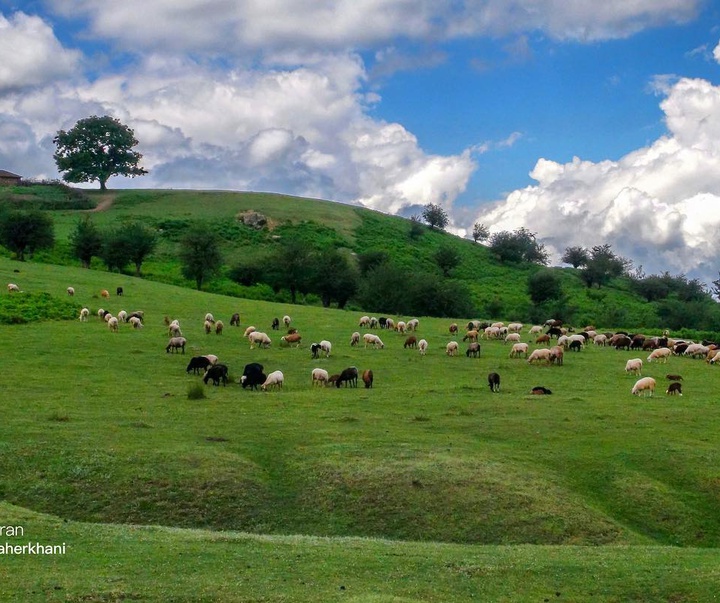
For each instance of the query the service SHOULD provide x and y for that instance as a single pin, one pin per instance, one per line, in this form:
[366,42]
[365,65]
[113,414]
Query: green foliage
[416,230]
[575,256]
[518,247]
[447,258]
[371,259]
[196,391]
[333,277]
[45,195]
[480,232]
[20,308]
[544,285]
[97,148]
[200,253]
[26,231]
[603,265]
[435,216]
[86,241]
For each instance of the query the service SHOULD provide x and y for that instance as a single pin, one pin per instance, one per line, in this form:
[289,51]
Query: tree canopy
[95,149]
[518,246]
[435,216]
[200,253]
[26,232]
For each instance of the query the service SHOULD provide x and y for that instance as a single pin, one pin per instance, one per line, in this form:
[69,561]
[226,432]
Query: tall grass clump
[196,391]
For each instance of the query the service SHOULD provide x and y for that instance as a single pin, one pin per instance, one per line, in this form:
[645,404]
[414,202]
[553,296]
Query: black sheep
[198,363]
[217,372]
[253,376]
[494,382]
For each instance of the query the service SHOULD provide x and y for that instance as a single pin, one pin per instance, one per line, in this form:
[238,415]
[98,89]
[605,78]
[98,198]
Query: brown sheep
[410,342]
[543,339]
[367,378]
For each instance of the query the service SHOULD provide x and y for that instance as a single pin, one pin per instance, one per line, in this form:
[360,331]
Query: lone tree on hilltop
[480,232]
[575,256]
[435,216]
[96,148]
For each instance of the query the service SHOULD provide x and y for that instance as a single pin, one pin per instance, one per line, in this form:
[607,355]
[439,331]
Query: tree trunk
[102,185]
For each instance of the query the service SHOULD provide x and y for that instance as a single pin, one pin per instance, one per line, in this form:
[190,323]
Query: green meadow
[426,487]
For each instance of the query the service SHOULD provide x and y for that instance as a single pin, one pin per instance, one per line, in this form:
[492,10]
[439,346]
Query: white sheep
[259,338]
[320,377]
[84,314]
[541,354]
[600,340]
[248,331]
[71,291]
[515,327]
[646,384]
[715,358]
[107,317]
[401,326]
[535,329]
[219,326]
[498,325]
[174,329]
[373,340]
[355,338]
[13,288]
[287,320]
[364,321]
[451,349]
[660,355]
[100,313]
[413,324]
[212,358]
[512,337]
[634,366]
[422,346]
[519,349]
[326,347]
[274,379]
[209,318]
[122,316]
[136,322]
[390,324]
[112,324]
[696,350]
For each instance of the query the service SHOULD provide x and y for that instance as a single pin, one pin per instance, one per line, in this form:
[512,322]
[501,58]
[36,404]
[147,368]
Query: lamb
[367,378]
[212,358]
[471,335]
[235,320]
[71,291]
[197,364]
[175,344]
[218,373]
[13,288]
[259,338]
[659,355]
[219,326]
[289,340]
[451,349]
[274,380]
[107,316]
[105,293]
[675,388]
[494,382]
[646,384]
[349,376]
[473,350]
[541,354]
[373,340]
[275,324]
[354,339]
[209,318]
[112,324]
[519,349]
[410,342]
[207,325]
[119,291]
[543,339]
[634,366]
[287,320]
[320,377]
[422,346]
[84,314]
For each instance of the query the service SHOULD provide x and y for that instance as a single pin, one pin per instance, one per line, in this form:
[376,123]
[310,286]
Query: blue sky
[587,122]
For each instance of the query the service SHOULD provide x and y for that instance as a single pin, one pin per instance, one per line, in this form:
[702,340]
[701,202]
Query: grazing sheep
[634,366]
[71,291]
[672,377]
[319,377]
[84,314]
[289,340]
[413,324]
[535,329]
[212,358]
[235,320]
[364,321]
[218,373]
[410,342]
[696,350]
[275,324]
[174,329]
[105,293]
[274,380]
[349,376]
[197,364]
[367,378]
[219,326]
[400,327]
[491,332]
[207,326]
[539,355]
[13,288]
[259,338]
[138,314]
[556,355]
[373,322]
[473,350]
[543,339]
[112,324]
[135,322]
[620,342]
[575,346]
[646,384]
[333,379]
[675,388]
[287,320]
[119,291]
[600,340]
[390,324]
[209,318]
[315,350]
[326,347]
[713,356]
[494,382]
[107,316]
[354,339]
[659,355]
[519,349]
[122,316]
[539,390]
[175,344]
[451,349]
[422,347]
[512,337]
[373,340]
[471,335]
[248,331]
[515,327]
[252,376]
[453,329]
[382,321]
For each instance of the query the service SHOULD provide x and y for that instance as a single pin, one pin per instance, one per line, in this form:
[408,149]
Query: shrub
[196,391]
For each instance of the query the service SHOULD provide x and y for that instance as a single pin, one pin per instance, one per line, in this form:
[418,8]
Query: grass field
[426,488]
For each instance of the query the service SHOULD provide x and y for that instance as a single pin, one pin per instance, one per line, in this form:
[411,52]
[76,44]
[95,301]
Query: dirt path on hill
[105,203]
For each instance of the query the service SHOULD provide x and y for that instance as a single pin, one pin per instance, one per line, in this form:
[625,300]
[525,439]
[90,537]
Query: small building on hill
[9,179]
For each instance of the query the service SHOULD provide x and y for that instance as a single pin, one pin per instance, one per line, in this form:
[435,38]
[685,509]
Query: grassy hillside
[497,290]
